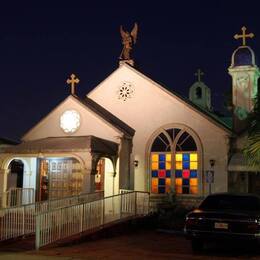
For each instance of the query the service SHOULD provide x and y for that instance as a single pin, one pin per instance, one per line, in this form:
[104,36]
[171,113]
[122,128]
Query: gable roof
[209,115]
[98,110]
[4,140]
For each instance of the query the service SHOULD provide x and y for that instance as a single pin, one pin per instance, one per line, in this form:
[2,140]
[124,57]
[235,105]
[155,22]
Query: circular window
[70,121]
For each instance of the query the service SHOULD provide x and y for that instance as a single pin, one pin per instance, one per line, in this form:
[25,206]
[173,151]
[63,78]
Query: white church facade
[132,133]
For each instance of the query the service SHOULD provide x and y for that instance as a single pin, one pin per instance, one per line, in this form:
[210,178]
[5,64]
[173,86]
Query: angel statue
[128,39]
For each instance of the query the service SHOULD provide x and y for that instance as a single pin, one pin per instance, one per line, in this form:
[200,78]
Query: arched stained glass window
[174,163]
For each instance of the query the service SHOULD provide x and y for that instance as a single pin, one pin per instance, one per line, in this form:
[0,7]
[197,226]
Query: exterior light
[136,162]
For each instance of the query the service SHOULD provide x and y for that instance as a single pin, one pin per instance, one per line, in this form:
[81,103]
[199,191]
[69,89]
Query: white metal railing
[20,221]
[64,222]
[17,196]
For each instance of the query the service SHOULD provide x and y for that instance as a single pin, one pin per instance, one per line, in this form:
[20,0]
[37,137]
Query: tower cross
[72,81]
[198,74]
[244,36]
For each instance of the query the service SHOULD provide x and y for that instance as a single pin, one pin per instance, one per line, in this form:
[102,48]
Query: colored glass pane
[194,182]
[185,190]
[155,157]
[161,189]
[161,157]
[178,189]
[168,165]
[168,182]
[168,157]
[178,165]
[185,182]
[154,173]
[185,165]
[193,174]
[186,157]
[193,189]
[178,157]
[154,189]
[186,174]
[178,181]
[193,157]
[193,165]
[161,181]
[161,165]
[178,174]
[168,174]
[162,174]
[154,182]
[154,166]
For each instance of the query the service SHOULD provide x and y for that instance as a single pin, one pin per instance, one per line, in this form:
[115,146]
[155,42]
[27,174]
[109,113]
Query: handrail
[67,221]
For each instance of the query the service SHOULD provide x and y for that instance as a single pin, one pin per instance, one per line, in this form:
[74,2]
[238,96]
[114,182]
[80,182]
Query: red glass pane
[162,174]
[186,174]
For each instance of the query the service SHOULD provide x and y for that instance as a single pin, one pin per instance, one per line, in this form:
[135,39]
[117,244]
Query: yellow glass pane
[178,165]
[154,185]
[193,189]
[155,157]
[154,165]
[168,165]
[178,189]
[193,182]
[193,165]
[178,181]
[168,157]
[193,157]
[178,157]
[168,184]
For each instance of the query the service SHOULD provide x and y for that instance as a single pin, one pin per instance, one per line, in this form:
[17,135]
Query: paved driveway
[134,245]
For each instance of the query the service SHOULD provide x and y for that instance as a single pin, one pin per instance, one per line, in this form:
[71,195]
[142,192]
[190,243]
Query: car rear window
[231,202]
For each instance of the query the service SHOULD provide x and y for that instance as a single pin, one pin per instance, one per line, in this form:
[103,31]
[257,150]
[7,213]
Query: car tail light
[191,222]
[253,227]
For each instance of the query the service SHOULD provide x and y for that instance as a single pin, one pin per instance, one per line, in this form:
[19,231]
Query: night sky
[41,45]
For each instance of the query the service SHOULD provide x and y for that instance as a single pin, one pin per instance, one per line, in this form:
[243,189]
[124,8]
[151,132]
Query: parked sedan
[224,216]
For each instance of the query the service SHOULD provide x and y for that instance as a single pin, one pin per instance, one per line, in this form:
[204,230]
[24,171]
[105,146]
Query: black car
[224,216]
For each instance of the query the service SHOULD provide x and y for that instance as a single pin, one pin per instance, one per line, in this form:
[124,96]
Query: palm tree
[252,148]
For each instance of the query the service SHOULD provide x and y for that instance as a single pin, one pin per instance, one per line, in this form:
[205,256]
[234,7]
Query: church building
[132,133]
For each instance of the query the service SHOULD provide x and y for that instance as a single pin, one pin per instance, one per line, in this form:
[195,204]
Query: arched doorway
[104,177]
[175,162]
[16,174]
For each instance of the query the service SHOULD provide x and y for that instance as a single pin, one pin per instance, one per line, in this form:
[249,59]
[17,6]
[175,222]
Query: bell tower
[245,74]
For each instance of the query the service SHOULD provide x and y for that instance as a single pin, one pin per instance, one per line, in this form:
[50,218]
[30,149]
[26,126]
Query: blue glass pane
[161,182]
[186,157]
[154,173]
[161,189]
[186,165]
[168,174]
[161,165]
[162,157]
[185,181]
[193,174]
[185,190]
[178,174]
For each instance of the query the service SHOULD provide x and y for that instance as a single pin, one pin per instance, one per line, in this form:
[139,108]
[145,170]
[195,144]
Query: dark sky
[41,45]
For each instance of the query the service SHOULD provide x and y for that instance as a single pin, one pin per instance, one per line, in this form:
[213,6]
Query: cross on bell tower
[244,36]
[198,74]
[72,81]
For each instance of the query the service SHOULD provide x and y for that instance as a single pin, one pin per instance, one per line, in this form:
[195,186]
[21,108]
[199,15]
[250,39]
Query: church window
[174,163]
[198,92]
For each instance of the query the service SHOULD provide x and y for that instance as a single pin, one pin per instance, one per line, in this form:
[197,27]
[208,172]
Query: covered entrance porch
[241,176]
[58,167]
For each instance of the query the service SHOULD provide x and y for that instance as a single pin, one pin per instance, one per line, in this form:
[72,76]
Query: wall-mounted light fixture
[212,162]
[136,162]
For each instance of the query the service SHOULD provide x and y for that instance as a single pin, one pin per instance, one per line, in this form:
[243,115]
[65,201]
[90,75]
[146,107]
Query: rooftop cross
[199,73]
[244,35]
[72,81]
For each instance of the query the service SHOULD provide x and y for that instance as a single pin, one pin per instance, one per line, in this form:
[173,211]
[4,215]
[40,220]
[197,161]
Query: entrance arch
[16,174]
[175,161]
[105,176]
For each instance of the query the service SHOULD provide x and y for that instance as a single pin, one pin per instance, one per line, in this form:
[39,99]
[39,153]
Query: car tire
[197,245]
